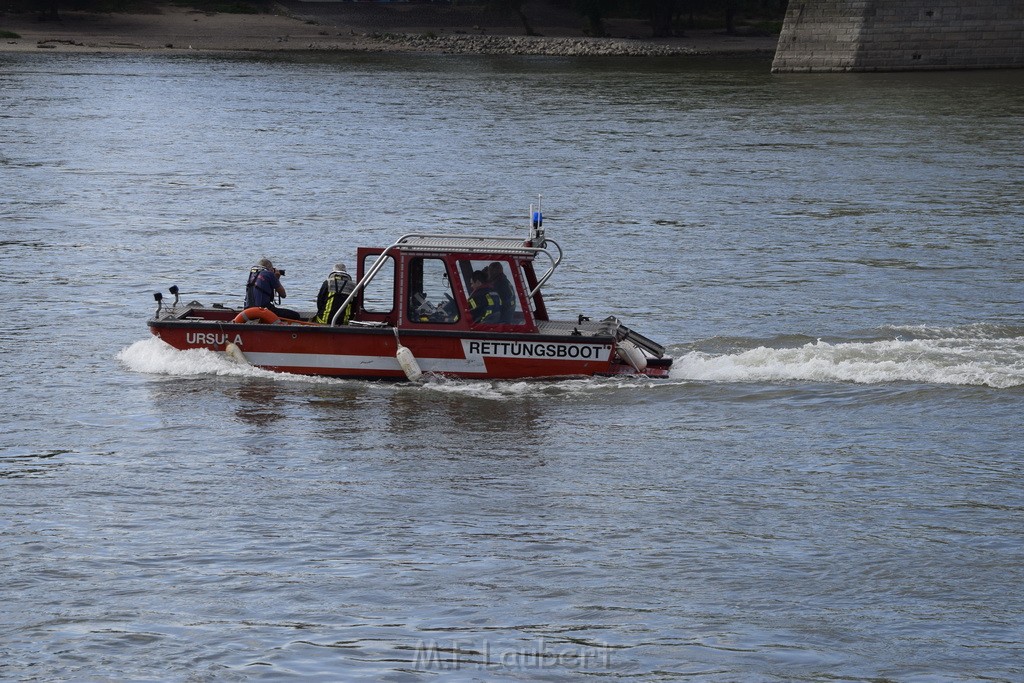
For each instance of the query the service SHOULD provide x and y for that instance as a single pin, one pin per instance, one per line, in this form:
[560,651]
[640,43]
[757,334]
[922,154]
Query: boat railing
[365,280]
[455,243]
[554,264]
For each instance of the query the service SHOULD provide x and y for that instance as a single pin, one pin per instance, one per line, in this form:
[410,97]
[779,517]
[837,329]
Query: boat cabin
[427,283]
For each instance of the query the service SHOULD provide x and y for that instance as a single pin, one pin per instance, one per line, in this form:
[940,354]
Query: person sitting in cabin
[333,292]
[484,300]
[264,282]
[498,280]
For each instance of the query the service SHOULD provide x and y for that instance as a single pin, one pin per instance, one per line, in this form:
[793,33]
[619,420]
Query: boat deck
[585,328]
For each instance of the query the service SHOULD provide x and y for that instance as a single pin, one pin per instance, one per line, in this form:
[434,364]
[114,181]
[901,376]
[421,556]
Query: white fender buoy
[409,365]
[631,353]
[235,353]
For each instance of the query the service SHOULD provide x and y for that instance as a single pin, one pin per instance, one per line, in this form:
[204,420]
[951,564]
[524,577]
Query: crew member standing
[333,292]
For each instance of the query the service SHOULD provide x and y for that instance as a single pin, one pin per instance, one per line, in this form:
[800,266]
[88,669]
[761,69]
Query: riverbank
[357,27]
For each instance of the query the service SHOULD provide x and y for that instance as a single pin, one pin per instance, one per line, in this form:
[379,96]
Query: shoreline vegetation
[296,26]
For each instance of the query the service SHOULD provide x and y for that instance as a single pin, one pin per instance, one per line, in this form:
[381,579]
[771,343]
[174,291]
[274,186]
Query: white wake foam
[952,360]
[155,357]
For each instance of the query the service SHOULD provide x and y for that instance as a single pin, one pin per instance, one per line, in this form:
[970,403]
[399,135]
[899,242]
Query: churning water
[829,487]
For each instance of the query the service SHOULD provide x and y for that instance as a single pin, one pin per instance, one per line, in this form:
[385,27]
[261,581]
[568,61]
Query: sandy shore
[356,26]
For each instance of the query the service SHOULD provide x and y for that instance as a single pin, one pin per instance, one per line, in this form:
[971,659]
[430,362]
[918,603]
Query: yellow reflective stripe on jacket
[493,306]
[325,317]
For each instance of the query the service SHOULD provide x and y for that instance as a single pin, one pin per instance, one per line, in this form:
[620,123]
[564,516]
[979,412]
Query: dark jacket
[485,305]
[333,292]
[260,289]
[508,302]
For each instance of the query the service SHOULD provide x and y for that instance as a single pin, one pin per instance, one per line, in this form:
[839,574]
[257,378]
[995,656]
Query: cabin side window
[491,292]
[431,299]
[379,294]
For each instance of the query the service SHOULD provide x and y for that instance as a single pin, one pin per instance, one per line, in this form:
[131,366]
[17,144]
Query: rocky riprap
[517,45]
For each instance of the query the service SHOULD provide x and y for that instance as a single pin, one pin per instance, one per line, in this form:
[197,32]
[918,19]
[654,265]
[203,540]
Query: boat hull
[370,352]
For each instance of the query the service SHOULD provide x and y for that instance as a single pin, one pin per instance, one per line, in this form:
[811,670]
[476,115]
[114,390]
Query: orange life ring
[263,315]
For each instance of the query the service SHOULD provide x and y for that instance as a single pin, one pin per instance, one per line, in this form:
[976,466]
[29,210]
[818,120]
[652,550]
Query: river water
[828,488]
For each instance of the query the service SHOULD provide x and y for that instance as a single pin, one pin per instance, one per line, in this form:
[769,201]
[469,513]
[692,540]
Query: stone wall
[900,35]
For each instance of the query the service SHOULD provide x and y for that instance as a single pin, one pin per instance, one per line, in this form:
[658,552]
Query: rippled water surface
[828,488]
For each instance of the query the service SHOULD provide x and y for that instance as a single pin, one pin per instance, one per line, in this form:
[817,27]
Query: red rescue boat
[412,313]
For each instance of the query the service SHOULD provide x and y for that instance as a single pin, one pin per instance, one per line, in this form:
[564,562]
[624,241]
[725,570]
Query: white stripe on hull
[330,361]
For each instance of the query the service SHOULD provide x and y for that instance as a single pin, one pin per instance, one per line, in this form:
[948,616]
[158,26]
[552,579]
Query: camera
[280,273]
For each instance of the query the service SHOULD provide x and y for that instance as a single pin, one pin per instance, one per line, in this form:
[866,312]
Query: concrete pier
[900,35]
